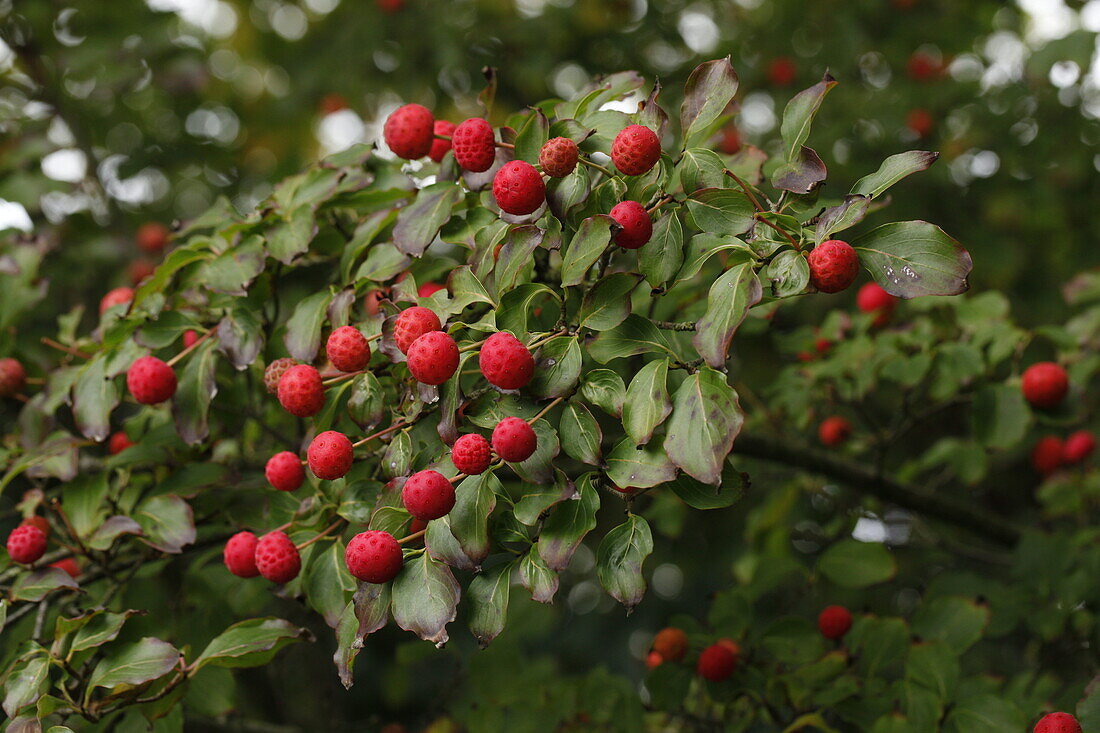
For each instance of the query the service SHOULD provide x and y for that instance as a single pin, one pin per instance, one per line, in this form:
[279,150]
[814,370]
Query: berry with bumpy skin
[69,565]
[1079,446]
[347,349]
[1057,723]
[518,188]
[118,296]
[119,442]
[409,131]
[440,147]
[920,122]
[139,270]
[635,150]
[373,557]
[636,225]
[730,144]
[653,660]
[871,298]
[781,71]
[189,338]
[1047,455]
[37,521]
[152,237]
[330,455]
[428,495]
[240,555]
[428,289]
[834,431]
[505,362]
[558,157]
[433,358]
[834,621]
[834,266]
[671,643]
[413,323]
[12,377]
[301,392]
[284,471]
[514,440]
[474,145]
[716,663]
[26,544]
[277,558]
[1045,385]
[471,454]
[275,371]
[151,381]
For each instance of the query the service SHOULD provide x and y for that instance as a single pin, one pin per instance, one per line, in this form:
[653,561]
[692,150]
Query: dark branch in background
[933,504]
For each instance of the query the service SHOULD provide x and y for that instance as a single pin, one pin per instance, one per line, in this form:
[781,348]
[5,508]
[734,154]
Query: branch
[941,506]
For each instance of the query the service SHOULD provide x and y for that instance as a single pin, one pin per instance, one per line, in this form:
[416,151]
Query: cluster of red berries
[411,132]
[1051,452]
[716,662]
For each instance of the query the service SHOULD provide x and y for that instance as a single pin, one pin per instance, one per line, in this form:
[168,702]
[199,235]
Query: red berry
[871,298]
[1045,384]
[277,558]
[412,324]
[732,646]
[781,71]
[636,225]
[716,663]
[505,362]
[635,150]
[284,471]
[119,442]
[372,303]
[118,296]
[37,521]
[139,270]
[275,371]
[514,440]
[671,643]
[834,431]
[433,358]
[390,6]
[440,147]
[518,188]
[332,103]
[1057,723]
[330,455]
[833,266]
[471,454]
[69,565]
[12,377]
[301,392]
[347,349]
[922,66]
[822,345]
[474,145]
[151,381]
[428,495]
[427,289]
[152,237]
[558,157]
[240,555]
[730,144]
[409,131]
[834,621]
[26,544]
[920,122]
[1079,446]
[653,660]
[373,557]
[1047,455]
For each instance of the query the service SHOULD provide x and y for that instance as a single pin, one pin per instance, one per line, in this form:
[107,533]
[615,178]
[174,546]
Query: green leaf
[706,496]
[167,523]
[958,621]
[250,643]
[841,217]
[1088,710]
[728,304]
[99,630]
[419,222]
[607,304]
[701,168]
[290,237]
[798,116]
[516,306]
[37,584]
[709,90]
[706,419]
[538,578]
[94,397]
[580,433]
[488,594]
[233,271]
[537,499]
[984,714]
[892,170]
[475,499]
[636,335]
[619,561]
[303,330]
[567,524]
[721,211]
[854,564]
[788,274]
[240,334]
[661,257]
[111,529]
[197,387]
[913,258]
[1000,416]
[25,684]
[702,247]
[135,664]
[328,584]
[647,402]
[590,241]
[516,256]
[557,368]
[532,136]
[636,467]
[425,599]
[605,389]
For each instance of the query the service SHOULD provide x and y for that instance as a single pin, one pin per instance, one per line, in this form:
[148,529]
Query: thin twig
[380,433]
[325,533]
[744,187]
[175,359]
[67,349]
[556,401]
[412,537]
[597,166]
[784,232]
